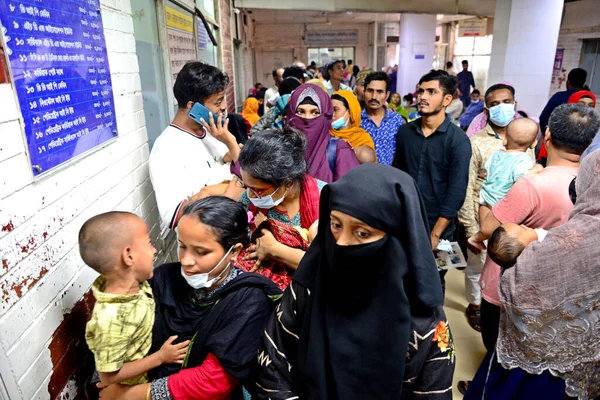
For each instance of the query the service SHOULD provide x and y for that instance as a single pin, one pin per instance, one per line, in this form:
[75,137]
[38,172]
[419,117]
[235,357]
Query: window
[323,56]
[590,61]
[152,71]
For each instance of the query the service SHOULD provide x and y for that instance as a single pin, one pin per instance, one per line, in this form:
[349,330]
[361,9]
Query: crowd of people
[307,228]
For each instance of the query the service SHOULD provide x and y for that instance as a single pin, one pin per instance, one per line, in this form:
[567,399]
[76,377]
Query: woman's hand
[265,249]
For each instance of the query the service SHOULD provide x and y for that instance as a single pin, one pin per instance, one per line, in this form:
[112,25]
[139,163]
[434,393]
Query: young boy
[509,241]
[119,333]
[505,167]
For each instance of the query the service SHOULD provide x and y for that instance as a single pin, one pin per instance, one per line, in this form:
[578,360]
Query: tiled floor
[467,341]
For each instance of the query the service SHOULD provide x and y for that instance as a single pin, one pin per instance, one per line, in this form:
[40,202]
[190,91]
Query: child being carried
[119,333]
[507,166]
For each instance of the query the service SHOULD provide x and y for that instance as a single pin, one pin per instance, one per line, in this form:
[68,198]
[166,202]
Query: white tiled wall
[41,273]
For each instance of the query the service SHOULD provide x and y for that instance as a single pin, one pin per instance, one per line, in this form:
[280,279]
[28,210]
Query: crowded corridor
[222,200]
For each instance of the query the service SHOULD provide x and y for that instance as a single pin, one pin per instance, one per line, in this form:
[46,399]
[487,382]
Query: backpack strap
[332,152]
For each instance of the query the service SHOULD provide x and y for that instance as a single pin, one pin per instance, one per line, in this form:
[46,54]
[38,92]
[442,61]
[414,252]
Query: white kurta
[181,164]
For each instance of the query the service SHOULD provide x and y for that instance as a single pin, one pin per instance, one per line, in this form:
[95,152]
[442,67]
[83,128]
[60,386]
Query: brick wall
[43,282]
[227,50]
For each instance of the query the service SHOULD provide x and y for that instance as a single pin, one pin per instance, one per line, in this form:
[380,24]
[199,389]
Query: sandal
[474,317]
[463,387]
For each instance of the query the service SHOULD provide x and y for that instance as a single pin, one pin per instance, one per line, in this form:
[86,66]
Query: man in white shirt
[273,93]
[188,156]
[335,69]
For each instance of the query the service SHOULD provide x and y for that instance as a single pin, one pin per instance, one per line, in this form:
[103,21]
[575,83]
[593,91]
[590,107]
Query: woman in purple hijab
[310,112]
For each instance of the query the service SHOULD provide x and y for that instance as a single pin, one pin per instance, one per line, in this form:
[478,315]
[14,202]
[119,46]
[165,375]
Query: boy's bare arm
[169,353]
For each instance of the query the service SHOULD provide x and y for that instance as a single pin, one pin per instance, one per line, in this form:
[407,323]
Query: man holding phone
[193,152]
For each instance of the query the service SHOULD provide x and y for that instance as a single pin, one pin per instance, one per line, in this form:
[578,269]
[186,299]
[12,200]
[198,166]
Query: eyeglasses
[261,193]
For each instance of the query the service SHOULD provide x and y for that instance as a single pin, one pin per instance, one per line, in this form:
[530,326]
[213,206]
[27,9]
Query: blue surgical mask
[339,123]
[475,101]
[502,114]
[267,202]
[201,281]
[404,104]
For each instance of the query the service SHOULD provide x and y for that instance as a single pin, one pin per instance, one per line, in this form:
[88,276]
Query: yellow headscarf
[250,110]
[354,135]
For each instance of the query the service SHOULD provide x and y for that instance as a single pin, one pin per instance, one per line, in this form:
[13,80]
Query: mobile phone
[198,112]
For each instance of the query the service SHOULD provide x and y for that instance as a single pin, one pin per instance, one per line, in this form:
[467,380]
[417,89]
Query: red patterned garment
[276,272]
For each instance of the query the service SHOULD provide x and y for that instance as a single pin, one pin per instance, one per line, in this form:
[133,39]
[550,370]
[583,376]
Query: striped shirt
[120,330]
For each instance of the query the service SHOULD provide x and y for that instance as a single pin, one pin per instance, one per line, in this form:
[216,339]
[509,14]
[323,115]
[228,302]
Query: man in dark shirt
[466,80]
[436,153]
[575,82]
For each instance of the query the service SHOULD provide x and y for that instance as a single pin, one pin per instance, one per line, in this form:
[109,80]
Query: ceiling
[263,16]
[485,8]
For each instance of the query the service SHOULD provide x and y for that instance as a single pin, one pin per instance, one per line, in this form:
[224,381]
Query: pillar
[417,46]
[524,47]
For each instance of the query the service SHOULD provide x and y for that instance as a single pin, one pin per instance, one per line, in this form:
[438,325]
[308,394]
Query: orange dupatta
[354,135]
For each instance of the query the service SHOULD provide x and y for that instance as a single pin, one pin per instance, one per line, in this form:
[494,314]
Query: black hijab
[356,325]
[228,326]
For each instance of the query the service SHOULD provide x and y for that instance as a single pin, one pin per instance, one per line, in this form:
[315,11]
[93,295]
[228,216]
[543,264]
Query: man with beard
[436,153]
[377,120]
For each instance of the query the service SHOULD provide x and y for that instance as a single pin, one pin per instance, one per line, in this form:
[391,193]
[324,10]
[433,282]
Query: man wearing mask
[272,94]
[188,155]
[335,69]
[436,153]
[381,123]
[537,200]
[500,109]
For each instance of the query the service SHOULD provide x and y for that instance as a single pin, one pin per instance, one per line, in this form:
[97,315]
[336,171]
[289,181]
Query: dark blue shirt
[465,82]
[556,100]
[438,163]
[383,136]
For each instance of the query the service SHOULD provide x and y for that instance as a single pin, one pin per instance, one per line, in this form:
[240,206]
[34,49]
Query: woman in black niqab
[342,329]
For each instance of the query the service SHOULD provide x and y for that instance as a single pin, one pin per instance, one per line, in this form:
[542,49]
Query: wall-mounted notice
[57,55]
[339,37]
[202,34]
[182,45]
[472,27]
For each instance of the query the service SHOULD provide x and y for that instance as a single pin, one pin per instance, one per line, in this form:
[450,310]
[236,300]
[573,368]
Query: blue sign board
[57,55]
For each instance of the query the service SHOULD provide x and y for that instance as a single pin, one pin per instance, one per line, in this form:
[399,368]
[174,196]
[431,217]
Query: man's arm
[467,215]
[438,230]
[488,225]
[458,179]
[518,204]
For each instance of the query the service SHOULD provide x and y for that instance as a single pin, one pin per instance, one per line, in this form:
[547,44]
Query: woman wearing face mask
[310,112]
[278,188]
[346,126]
[363,317]
[203,298]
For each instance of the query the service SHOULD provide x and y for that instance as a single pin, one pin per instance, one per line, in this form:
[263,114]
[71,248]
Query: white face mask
[200,281]
[267,202]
